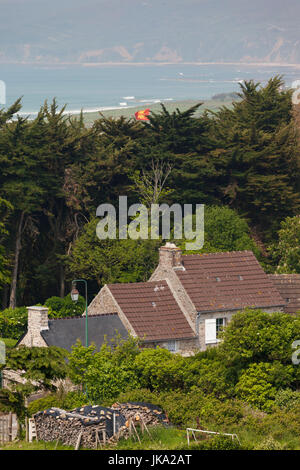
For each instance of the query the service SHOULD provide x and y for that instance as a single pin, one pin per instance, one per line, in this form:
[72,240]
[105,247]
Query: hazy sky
[136,30]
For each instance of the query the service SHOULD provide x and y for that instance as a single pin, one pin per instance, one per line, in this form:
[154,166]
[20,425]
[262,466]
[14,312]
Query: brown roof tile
[289,287]
[152,310]
[227,281]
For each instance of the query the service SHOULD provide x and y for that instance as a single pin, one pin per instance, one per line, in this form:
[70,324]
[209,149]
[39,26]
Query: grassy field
[159,439]
[171,438]
[171,106]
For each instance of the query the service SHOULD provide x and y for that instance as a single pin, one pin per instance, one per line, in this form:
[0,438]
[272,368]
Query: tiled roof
[152,310]
[227,281]
[64,332]
[289,287]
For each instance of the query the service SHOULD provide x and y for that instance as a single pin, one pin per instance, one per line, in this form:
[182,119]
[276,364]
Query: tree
[225,230]
[150,185]
[286,251]
[109,261]
[5,209]
[40,368]
[107,372]
[254,336]
[21,183]
[259,383]
[256,155]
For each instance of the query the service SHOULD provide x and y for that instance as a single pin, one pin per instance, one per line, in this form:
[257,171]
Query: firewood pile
[90,426]
[150,414]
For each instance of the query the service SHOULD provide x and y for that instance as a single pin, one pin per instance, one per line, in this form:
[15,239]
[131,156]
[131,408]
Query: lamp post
[75,297]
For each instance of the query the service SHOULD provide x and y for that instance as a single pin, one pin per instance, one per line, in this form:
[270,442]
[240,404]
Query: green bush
[13,322]
[259,382]
[217,442]
[43,404]
[287,399]
[269,444]
[67,402]
[65,307]
[159,369]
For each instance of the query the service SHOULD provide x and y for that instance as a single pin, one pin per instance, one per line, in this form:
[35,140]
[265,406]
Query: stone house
[189,298]
[184,305]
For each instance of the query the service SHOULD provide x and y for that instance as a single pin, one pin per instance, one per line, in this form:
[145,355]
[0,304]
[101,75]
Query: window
[220,323]
[213,327]
[172,346]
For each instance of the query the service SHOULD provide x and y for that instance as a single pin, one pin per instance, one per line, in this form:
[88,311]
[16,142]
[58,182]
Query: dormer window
[240,277]
[218,279]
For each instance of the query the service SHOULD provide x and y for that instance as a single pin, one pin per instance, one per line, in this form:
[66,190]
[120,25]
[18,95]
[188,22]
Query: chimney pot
[170,256]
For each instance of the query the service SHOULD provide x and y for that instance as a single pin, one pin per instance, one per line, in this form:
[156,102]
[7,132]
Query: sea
[94,88]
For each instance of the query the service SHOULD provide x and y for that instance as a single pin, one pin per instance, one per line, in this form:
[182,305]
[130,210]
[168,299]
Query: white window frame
[169,345]
[211,330]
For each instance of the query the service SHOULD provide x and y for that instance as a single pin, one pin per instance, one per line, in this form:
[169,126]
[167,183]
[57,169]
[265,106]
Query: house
[183,306]
[64,332]
[288,286]
[189,298]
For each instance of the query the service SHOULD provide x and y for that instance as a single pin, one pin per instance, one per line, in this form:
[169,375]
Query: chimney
[37,320]
[170,256]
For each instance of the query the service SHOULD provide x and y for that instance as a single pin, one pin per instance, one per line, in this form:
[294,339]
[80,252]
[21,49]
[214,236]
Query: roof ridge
[220,253]
[82,316]
[144,283]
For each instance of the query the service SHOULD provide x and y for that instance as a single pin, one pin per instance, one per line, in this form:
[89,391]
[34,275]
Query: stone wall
[102,303]
[184,347]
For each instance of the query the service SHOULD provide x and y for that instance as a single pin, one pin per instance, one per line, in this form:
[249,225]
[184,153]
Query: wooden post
[137,435]
[78,441]
[114,423]
[10,427]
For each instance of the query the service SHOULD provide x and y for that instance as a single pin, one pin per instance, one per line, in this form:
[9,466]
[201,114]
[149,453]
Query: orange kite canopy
[142,115]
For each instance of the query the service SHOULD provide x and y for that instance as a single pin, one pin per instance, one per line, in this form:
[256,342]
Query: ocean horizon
[108,87]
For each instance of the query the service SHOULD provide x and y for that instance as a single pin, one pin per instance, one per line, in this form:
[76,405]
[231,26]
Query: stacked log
[58,425]
[150,414]
[91,425]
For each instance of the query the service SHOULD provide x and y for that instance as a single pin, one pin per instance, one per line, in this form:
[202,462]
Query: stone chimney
[37,321]
[170,256]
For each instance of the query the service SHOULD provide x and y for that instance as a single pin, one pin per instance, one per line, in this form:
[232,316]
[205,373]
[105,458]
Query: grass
[211,105]
[35,445]
[161,439]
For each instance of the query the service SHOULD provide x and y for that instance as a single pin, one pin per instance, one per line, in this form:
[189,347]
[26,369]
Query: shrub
[269,444]
[287,399]
[65,307]
[68,401]
[258,384]
[13,322]
[159,369]
[217,442]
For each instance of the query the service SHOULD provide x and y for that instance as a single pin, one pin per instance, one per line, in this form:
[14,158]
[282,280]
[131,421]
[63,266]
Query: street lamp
[75,297]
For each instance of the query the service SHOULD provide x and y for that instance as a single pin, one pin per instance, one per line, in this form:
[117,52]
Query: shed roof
[64,332]
[227,281]
[152,310]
